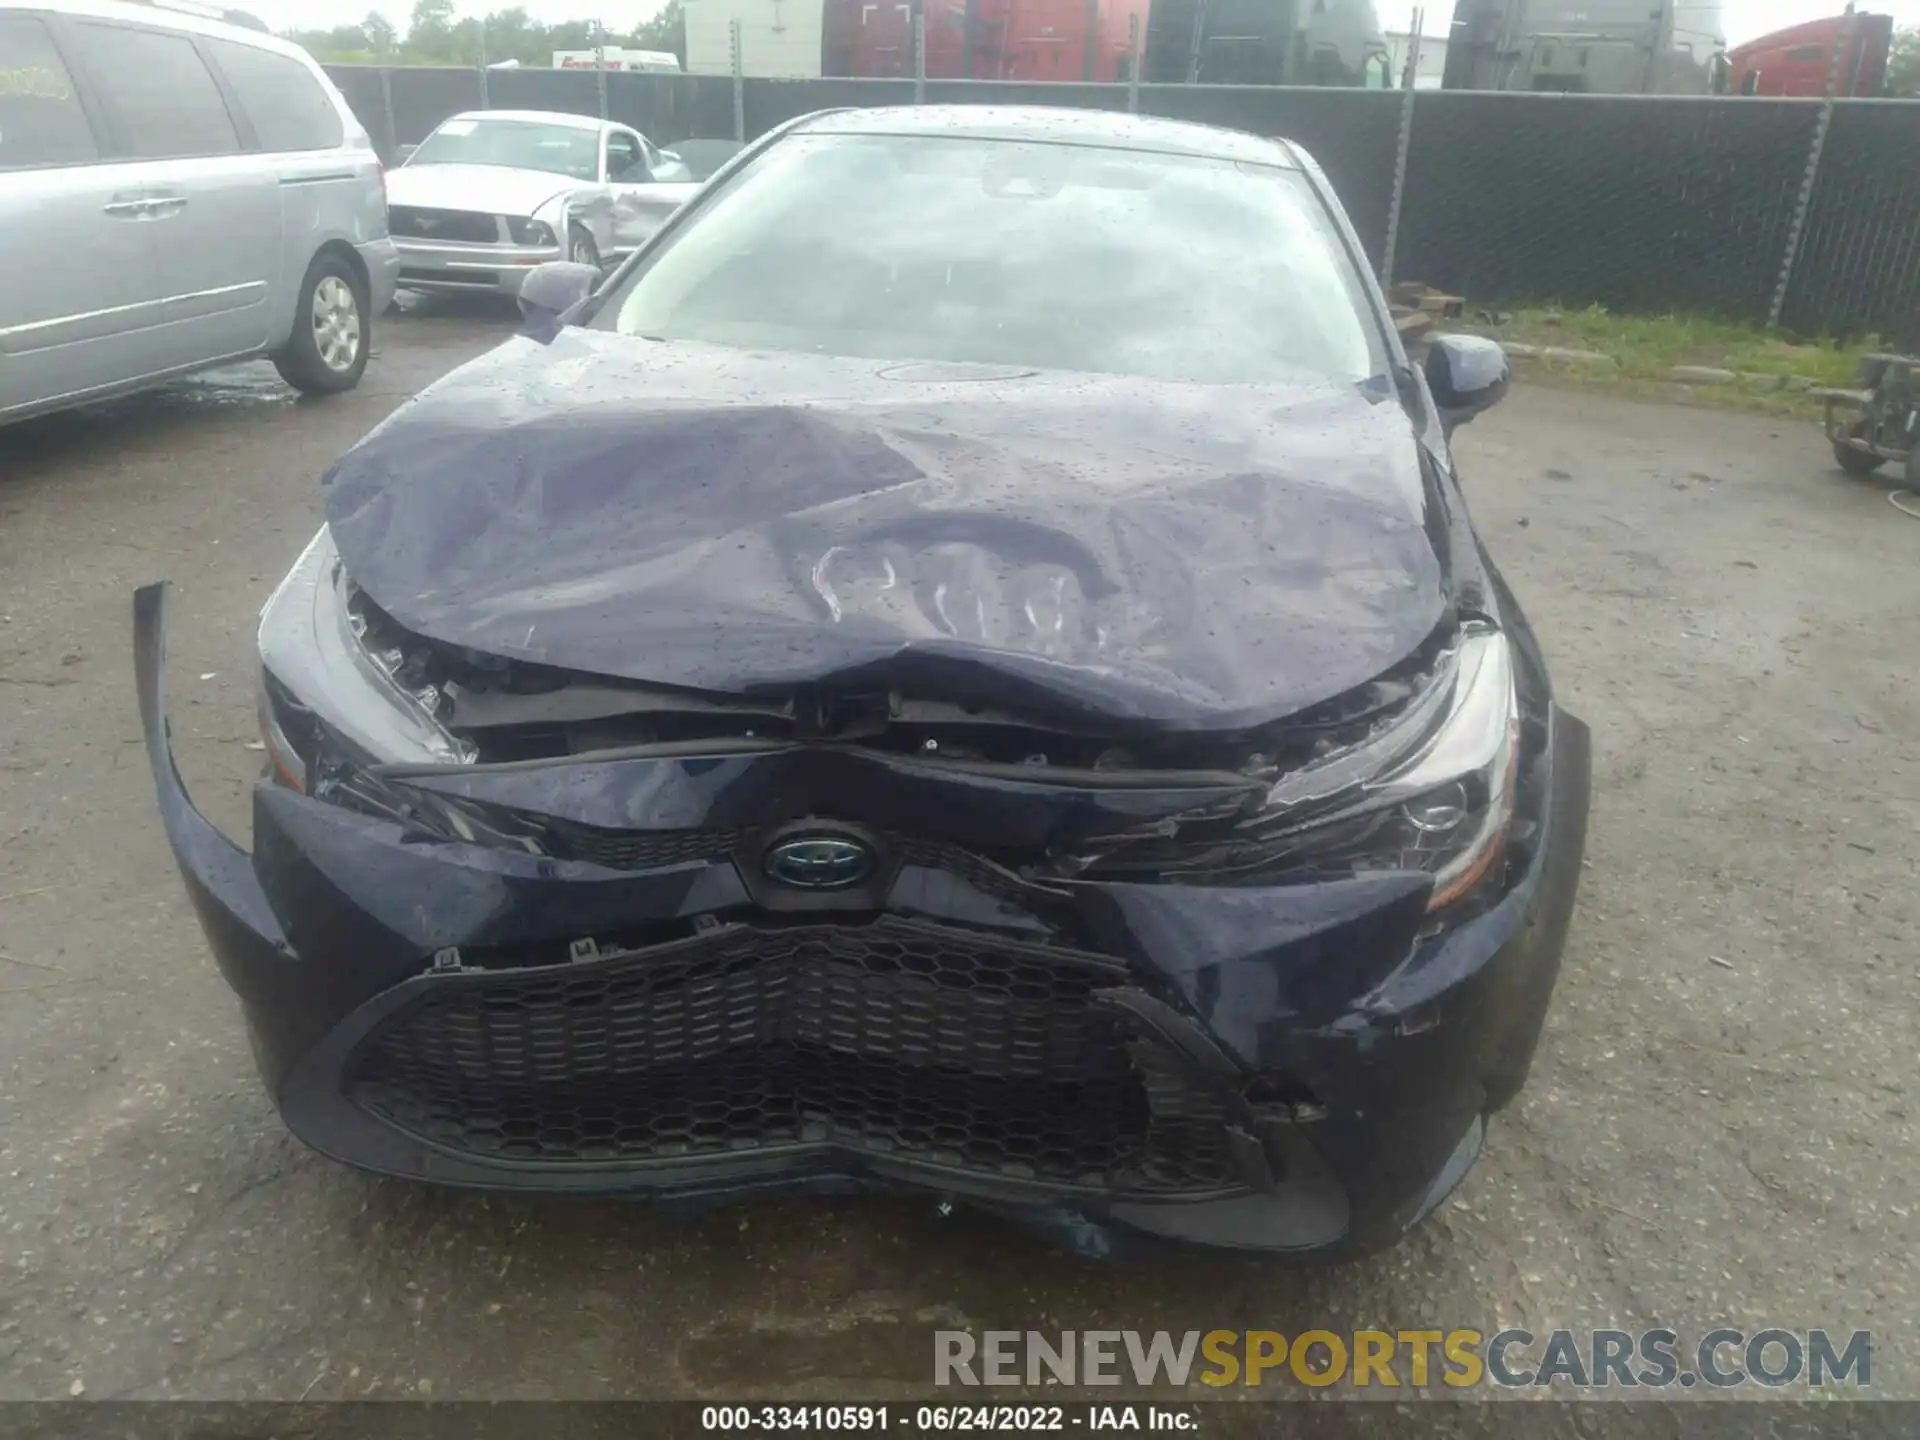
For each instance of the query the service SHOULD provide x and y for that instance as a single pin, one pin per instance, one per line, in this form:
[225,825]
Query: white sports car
[492,193]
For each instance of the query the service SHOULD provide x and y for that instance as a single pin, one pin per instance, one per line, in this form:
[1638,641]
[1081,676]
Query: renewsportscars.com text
[1720,1358]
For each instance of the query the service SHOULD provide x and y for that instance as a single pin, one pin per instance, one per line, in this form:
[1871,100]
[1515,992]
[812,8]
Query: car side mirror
[549,292]
[1466,374]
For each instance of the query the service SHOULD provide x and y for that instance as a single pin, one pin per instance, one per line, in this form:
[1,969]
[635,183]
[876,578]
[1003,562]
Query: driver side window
[624,160]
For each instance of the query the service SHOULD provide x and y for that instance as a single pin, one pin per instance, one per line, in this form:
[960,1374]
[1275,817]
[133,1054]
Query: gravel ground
[1718,1130]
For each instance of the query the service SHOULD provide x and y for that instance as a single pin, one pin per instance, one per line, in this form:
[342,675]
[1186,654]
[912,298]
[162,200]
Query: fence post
[919,55]
[739,83]
[600,66]
[386,107]
[1196,42]
[1133,63]
[1399,185]
[486,98]
[1797,226]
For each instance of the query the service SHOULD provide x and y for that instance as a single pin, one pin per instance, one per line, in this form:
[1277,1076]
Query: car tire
[1912,471]
[580,247]
[1855,461]
[332,330]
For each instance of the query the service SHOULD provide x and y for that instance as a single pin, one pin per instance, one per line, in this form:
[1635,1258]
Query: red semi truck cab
[1798,60]
[984,39]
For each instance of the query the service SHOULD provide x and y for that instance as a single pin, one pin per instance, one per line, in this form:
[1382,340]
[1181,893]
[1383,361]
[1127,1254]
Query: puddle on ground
[98,430]
[255,383]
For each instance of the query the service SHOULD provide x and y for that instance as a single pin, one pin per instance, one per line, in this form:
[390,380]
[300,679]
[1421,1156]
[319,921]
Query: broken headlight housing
[1430,790]
[530,232]
[326,693]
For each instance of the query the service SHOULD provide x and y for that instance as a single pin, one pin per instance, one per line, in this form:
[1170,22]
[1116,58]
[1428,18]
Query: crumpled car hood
[1198,557]
[496,189]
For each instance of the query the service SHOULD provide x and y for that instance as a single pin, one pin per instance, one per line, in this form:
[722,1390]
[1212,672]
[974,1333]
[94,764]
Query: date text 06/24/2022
[995,1419]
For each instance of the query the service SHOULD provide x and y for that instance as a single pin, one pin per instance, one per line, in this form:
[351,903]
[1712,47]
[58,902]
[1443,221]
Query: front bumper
[1266,1069]
[383,272]
[451,268]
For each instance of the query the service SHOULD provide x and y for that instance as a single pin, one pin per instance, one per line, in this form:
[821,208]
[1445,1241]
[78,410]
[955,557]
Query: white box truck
[651,62]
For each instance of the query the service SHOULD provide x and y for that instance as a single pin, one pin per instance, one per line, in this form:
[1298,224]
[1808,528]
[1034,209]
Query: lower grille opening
[894,1038]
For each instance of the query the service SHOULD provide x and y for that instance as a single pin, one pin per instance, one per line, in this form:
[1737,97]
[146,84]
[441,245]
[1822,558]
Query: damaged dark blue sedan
[963,666]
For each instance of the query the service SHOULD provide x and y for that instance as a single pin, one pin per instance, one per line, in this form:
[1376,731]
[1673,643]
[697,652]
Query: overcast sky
[1745,18]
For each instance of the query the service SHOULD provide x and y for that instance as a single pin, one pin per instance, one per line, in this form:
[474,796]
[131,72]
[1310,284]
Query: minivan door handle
[151,206]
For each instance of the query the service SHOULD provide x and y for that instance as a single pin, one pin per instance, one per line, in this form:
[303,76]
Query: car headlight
[1444,808]
[324,689]
[530,232]
[1432,790]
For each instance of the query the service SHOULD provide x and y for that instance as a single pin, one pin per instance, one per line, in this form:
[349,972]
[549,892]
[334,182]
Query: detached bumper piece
[1287,1068]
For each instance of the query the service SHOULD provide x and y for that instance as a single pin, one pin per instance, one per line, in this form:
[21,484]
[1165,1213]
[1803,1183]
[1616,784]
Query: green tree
[346,44]
[1903,63]
[435,36]
[379,32]
[666,31]
[430,32]
[571,35]
[511,36]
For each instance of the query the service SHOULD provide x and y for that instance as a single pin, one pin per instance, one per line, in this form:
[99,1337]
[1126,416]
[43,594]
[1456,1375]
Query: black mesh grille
[413,222]
[893,1037]
[984,875]
[634,849]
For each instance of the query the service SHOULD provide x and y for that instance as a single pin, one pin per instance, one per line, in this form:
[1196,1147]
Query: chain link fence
[1638,204]
[1704,205]
[1858,266]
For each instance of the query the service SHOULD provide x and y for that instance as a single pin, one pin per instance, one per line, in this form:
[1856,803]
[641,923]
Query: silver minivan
[177,192]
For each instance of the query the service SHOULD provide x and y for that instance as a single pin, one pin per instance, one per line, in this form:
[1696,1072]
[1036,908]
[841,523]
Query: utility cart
[1879,422]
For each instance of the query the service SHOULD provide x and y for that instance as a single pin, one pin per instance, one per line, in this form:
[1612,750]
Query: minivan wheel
[332,331]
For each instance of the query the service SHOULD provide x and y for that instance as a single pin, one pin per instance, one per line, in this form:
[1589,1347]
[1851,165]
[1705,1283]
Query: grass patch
[1648,347]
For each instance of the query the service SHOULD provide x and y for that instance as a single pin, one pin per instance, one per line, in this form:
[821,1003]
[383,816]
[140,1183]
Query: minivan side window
[161,89]
[288,108]
[41,122]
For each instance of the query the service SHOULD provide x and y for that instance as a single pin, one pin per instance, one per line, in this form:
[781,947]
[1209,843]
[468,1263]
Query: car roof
[165,17]
[1059,126]
[550,117]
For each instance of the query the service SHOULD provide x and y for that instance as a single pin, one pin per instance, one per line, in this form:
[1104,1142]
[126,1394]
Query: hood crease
[743,522]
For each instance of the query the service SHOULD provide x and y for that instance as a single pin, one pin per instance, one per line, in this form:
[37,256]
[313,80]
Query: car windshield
[517,144]
[1052,256]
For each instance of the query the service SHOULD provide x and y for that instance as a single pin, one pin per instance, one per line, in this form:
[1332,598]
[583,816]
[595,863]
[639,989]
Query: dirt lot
[1719,1130]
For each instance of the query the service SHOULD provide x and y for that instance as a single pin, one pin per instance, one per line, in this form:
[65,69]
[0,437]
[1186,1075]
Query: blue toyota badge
[819,862]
